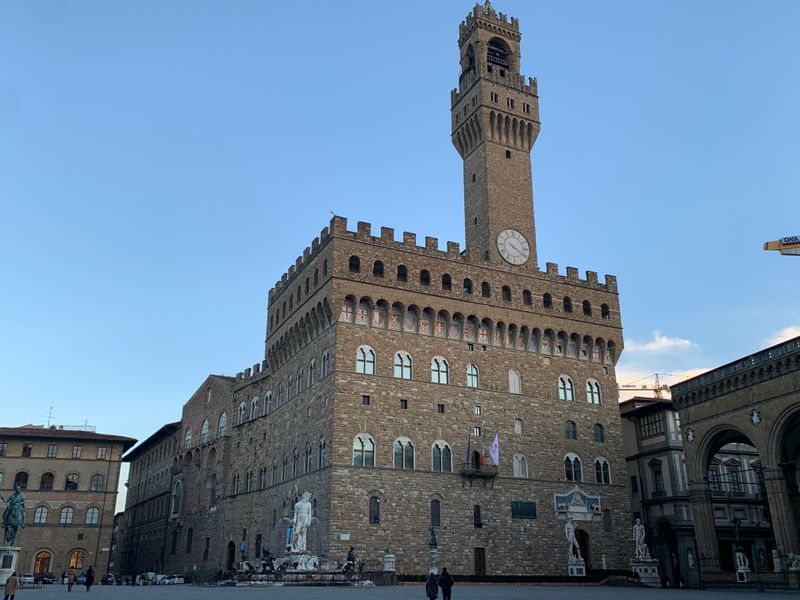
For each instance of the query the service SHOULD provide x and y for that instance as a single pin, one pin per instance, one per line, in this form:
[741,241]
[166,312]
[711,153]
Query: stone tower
[495,121]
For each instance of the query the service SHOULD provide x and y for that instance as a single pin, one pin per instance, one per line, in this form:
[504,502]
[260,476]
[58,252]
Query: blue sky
[163,163]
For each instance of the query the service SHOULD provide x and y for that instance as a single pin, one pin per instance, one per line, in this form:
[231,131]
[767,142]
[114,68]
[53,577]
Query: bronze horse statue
[13,515]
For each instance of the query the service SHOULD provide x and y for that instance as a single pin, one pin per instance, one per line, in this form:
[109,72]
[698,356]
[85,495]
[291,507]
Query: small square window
[526,107]
[404,404]
[478,409]
[365,400]
[470,347]
[76,451]
[476,431]
[494,97]
[510,102]
[52,450]
[102,452]
[440,408]
[27,449]
[508,153]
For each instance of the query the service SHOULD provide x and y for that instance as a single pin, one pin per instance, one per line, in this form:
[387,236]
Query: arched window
[295,463]
[374,510]
[403,454]
[235,484]
[77,559]
[442,457]
[567,304]
[40,515]
[604,311]
[547,301]
[326,363]
[316,278]
[177,497]
[602,472]
[204,431]
[321,454]
[42,564]
[402,273]
[570,430]
[187,438]
[189,539]
[486,290]
[242,413]
[403,365]
[593,394]
[222,424]
[253,408]
[46,481]
[248,482]
[587,308]
[67,514]
[497,53]
[518,426]
[436,513]
[92,515]
[424,277]
[527,298]
[472,375]
[262,478]
[364,450]
[301,374]
[447,282]
[598,433]
[365,360]
[309,456]
[439,370]
[97,483]
[468,286]
[21,480]
[506,293]
[312,373]
[274,472]
[520,466]
[268,403]
[284,469]
[566,389]
[71,482]
[572,468]
[377,269]
[325,268]
[514,382]
[355,264]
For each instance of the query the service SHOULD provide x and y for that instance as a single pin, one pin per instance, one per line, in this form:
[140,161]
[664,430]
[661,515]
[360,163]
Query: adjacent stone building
[390,368]
[70,479]
[753,402]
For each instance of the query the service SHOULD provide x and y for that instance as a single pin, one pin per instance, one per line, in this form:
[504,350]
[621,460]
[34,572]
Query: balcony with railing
[474,470]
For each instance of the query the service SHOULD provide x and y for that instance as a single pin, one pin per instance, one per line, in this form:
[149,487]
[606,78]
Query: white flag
[494,451]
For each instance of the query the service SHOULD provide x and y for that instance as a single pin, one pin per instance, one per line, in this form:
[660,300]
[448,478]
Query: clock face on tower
[513,246]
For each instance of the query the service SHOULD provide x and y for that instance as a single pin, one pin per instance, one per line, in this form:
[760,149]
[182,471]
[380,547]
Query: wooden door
[480,561]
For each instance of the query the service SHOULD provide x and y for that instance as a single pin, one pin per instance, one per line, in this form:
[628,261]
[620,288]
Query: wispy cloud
[637,378]
[784,334]
[659,343]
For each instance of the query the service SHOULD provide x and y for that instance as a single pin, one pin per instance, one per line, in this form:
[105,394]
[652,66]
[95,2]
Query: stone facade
[70,479]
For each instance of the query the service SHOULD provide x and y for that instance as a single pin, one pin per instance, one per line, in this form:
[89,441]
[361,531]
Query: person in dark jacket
[446,583]
[89,578]
[431,587]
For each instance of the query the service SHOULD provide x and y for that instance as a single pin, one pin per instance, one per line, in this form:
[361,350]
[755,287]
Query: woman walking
[12,583]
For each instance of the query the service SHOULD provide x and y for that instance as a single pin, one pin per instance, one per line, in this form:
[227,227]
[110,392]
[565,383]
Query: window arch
[605,313]
[567,304]
[187,438]
[322,453]
[436,513]
[593,393]
[402,273]
[403,452]
[439,370]
[506,293]
[520,466]
[40,515]
[374,510]
[21,480]
[572,467]
[403,365]
[547,301]
[67,514]
[97,483]
[377,269]
[364,450]
[42,564]
[365,360]
[472,376]
[77,559]
[204,431]
[602,471]
[527,298]
[242,412]
[570,430]
[308,460]
[587,308]
[468,286]
[354,264]
[598,432]
[514,382]
[312,372]
[177,497]
[222,424]
[566,389]
[442,457]
[46,481]
[71,482]
[447,282]
[268,403]
[326,363]
[518,426]
[92,515]
[486,290]
[424,277]
[253,408]
[248,482]
[274,472]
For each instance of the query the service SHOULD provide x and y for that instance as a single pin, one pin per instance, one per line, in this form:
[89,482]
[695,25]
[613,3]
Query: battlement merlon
[250,374]
[490,18]
[521,83]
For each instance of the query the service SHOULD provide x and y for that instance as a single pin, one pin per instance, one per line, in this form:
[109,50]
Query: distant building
[660,497]
[70,479]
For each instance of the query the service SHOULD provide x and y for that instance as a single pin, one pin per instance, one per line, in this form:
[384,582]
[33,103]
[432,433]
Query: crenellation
[306,253]
[611,283]
[364,230]
[591,278]
[431,243]
[387,234]
[256,368]
[247,373]
[552,268]
[453,249]
[409,239]
[572,273]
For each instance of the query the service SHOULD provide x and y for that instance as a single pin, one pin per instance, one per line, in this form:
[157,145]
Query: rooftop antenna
[50,417]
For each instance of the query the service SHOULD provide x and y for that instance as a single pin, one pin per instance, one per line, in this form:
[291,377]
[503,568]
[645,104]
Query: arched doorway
[790,463]
[42,563]
[667,552]
[231,556]
[583,542]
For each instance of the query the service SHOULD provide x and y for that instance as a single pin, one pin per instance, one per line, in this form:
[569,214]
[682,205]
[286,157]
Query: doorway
[583,542]
[480,561]
[231,556]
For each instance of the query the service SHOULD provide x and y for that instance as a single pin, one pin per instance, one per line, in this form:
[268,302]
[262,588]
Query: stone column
[705,530]
[784,527]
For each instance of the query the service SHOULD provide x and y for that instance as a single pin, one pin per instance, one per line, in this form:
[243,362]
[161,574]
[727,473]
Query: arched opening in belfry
[498,53]
[735,480]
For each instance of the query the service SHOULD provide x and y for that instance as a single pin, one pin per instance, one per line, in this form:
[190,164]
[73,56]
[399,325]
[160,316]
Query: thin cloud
[659,343]
[638,378]
[787,333]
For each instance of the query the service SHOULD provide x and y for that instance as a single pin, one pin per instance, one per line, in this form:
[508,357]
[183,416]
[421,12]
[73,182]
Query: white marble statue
[742,563]
[300,523]
[642,551]
[690,558]
[572,542]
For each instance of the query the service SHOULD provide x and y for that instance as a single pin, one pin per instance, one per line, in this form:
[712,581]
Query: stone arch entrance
[783,480]
[583,542]
[231,556]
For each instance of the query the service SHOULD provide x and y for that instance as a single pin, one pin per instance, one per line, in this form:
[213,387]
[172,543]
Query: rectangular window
[404,404]
[634,485]
[476,431]
[658,481]
[27,449]
[470,347]
[510,102]
[652,425]
[494,97]
[3,449]
[526,108]
[478,409]
[76,452]
[440,408]
[476,516]
[52,450]
[508,155]
[102,452]
[205,548]
[365,400]
[523,510]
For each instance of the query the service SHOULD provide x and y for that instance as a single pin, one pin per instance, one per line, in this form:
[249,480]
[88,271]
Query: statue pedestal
[647,570]
[8,562]
[741,574]
[576,567]
[388,562]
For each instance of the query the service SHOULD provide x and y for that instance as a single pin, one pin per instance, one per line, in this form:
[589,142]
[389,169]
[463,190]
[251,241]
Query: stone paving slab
[465,592]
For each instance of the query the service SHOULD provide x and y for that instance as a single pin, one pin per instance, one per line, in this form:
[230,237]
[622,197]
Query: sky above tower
[163,163]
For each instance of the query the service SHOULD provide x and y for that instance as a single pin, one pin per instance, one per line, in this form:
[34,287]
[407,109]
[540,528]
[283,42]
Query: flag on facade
[469,449]
[494,450]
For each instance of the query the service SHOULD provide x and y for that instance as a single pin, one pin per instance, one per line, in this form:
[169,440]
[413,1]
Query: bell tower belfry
[495,121]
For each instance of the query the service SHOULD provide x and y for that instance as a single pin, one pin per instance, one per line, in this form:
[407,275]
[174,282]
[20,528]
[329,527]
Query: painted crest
[577,504]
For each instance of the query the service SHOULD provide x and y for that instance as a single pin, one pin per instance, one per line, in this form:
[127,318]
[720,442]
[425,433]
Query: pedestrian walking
[12,583]
[89,578]
[446,583]
[70,579]
[431,587]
